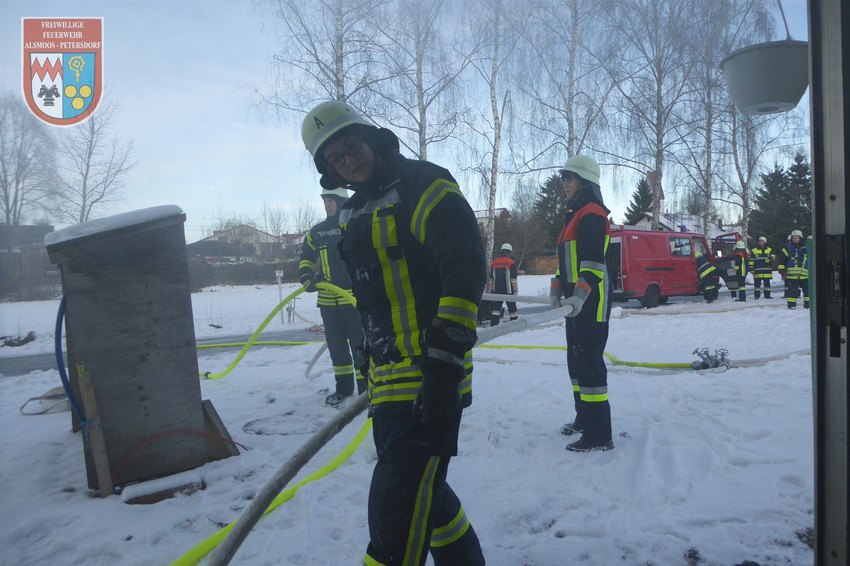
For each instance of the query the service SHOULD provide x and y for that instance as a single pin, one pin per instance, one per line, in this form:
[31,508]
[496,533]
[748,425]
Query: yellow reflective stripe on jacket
[401,381]
[394,382]
[430,198]
[416,543]
[571,260]
[396,282]
[323,257]
[449,533]
[459,310]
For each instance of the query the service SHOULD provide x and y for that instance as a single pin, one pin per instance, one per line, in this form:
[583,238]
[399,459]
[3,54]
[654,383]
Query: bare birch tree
[722,26]
[559,73]
[419,100]
[749,138]
[93,167]
[653,85]
[27,165]
[490,31]
[328,51]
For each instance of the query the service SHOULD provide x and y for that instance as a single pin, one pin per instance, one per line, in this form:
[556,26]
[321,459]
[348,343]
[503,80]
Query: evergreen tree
[783,203]
[799,178]
[550,208]
[641,203]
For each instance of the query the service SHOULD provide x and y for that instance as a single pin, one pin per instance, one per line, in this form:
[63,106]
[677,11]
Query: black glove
[446,344]
[361,358]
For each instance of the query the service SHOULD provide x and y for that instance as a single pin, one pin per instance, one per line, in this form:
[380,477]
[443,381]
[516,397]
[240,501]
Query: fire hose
[255,510]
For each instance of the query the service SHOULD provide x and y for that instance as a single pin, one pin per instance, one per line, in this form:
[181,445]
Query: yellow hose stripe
[253,339]
[196,553]
[269,343]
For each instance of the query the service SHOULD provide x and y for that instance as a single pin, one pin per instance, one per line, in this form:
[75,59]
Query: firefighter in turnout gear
[740,262]
[708,277]
[794,269]
[504,283]
[583,275]
[761,264]
[412,247]
[321,262]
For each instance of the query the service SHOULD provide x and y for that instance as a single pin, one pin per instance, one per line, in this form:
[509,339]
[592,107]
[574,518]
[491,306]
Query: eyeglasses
[350,147]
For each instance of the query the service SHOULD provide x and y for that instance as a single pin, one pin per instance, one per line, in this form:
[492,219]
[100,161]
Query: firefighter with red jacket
[413,251]
[583,275]
[504,283]
[794,269]
[321,262]
[761,264]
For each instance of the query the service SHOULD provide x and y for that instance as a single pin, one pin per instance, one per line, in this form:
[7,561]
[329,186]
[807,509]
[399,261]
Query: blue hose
[60,364]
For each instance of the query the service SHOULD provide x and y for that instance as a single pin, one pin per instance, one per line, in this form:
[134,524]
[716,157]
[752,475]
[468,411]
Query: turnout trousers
[586,339]
[795,286]
[344,335]
[412,510]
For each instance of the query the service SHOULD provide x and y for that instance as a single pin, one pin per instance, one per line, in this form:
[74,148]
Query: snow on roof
[110,223]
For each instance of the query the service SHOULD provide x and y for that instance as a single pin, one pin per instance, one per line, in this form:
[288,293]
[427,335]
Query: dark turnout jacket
[320,255]
[413,251]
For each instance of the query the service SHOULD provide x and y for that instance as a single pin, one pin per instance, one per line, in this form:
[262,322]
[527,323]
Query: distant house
[686,223]
[242,244]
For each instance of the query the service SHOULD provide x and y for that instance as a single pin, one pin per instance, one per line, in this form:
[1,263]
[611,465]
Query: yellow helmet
[325,120]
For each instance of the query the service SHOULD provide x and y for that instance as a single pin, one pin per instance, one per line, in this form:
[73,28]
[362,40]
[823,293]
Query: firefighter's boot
[757,294]
[572,428]
[597,428]
[344,390]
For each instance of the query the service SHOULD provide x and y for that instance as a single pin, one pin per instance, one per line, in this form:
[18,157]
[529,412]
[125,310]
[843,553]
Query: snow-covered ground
[709,468]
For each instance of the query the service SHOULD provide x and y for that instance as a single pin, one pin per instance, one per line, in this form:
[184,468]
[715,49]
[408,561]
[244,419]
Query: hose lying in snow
[260,503]
[253,339]
[316,356]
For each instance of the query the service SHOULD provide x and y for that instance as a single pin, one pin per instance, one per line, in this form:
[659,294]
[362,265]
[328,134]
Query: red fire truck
[652,265]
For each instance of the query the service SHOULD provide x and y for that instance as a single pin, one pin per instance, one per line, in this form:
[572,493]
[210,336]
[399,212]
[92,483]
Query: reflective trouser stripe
[593,394]
[344,370]
[369,561]
[447,534]
[416,543]
[575,385]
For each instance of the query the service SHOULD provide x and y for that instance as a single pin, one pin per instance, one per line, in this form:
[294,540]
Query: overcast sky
[182,72]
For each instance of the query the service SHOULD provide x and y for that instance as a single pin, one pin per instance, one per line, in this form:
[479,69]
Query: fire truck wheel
[652,297]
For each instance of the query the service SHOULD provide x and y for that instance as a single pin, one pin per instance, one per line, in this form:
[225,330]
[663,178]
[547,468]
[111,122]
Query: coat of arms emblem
[62,68]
